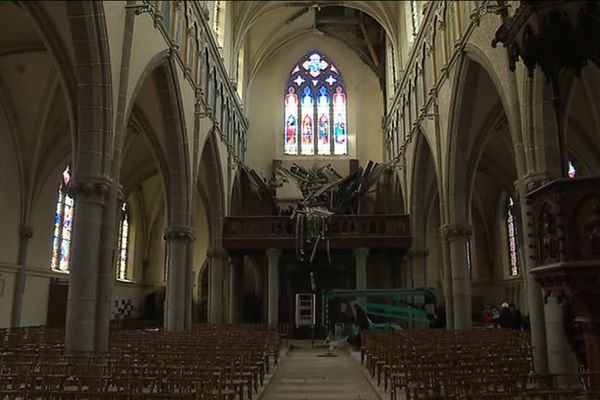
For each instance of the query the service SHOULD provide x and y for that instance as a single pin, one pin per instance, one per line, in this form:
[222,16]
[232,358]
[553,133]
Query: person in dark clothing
[361,317]
[438,320]
[505,317]
[515,317]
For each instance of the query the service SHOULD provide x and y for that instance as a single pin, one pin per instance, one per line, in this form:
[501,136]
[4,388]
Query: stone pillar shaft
[189,287]
[106,266]
[273,256]
[25,233]
[215,288]
[447,284]
[235,270]
[457,236]
[177,241]
[534,293]
[561,360]
[418,259]
[361,254]
[85,251]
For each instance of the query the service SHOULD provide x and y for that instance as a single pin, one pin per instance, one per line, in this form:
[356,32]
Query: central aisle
[304,375]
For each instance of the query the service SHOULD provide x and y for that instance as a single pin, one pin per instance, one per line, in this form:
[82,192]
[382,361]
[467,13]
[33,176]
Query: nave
[252,361]
[305,373]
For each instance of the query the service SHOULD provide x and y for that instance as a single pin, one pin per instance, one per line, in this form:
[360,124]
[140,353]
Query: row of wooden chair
[490,364]
[216,362]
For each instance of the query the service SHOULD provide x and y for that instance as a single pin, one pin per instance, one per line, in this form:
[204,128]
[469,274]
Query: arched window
[219,20]
[511,229]
[122,257]
[166,13]
[572,170]
[469,261]
[315,108]
[414,13]
[63,223]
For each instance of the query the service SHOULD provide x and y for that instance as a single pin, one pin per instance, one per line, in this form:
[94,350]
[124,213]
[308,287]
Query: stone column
[25,233]
[532,287]
[399,266]
[447,283]
[106,265]
[561,359]
[360,254]
[189,285]
[273,256]
[216,259]
[457,236]
[235,269]
[177,242]
[89,194]
[418,258]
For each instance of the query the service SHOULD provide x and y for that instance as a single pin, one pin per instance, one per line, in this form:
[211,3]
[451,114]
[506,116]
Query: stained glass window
[166,12]
[511,229]
[414,12]
[63,224]
[315,112]
[123,248]
[572,170]
[468,252]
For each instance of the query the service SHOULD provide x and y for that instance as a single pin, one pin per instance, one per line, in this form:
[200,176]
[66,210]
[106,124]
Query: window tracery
[315,108]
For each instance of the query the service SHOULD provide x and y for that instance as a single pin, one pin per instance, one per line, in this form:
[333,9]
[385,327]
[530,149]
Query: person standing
[505,317]
[515,317]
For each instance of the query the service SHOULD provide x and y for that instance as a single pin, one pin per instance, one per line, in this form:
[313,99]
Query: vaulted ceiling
[265,26]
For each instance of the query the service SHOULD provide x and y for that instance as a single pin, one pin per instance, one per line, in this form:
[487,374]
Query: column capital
[360,252]
[90,188]
[455,231]
[532,181]
[273,254]
[26,231]
[184,234]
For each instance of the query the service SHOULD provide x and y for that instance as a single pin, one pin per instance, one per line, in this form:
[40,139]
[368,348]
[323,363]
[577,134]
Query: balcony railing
[343,232]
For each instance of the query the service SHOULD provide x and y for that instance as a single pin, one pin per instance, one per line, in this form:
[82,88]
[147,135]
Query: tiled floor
[304,375]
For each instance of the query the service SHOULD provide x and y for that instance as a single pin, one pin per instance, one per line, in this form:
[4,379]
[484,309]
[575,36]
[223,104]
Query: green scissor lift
[401,310]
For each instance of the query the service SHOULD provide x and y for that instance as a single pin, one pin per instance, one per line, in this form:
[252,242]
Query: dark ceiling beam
[363,29]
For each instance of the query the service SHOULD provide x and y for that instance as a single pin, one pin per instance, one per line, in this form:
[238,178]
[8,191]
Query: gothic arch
[211,187]
[168,139]
[424,188]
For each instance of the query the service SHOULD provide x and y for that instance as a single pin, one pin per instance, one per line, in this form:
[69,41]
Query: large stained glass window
[511,229]
[63,224]
[315,104]
[123,248]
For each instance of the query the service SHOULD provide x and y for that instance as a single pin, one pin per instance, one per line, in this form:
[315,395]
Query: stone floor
[304,375]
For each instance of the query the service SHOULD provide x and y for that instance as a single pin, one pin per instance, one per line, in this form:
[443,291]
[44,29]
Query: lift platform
[412,305]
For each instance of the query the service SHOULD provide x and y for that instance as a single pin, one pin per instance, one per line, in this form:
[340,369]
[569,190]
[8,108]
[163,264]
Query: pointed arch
[316,107]
[211,187]
[168,141]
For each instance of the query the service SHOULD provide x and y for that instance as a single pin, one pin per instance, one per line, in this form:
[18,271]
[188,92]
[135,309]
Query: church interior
[215,193]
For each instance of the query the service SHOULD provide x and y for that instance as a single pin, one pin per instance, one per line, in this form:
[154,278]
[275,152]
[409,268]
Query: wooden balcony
[376,231]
